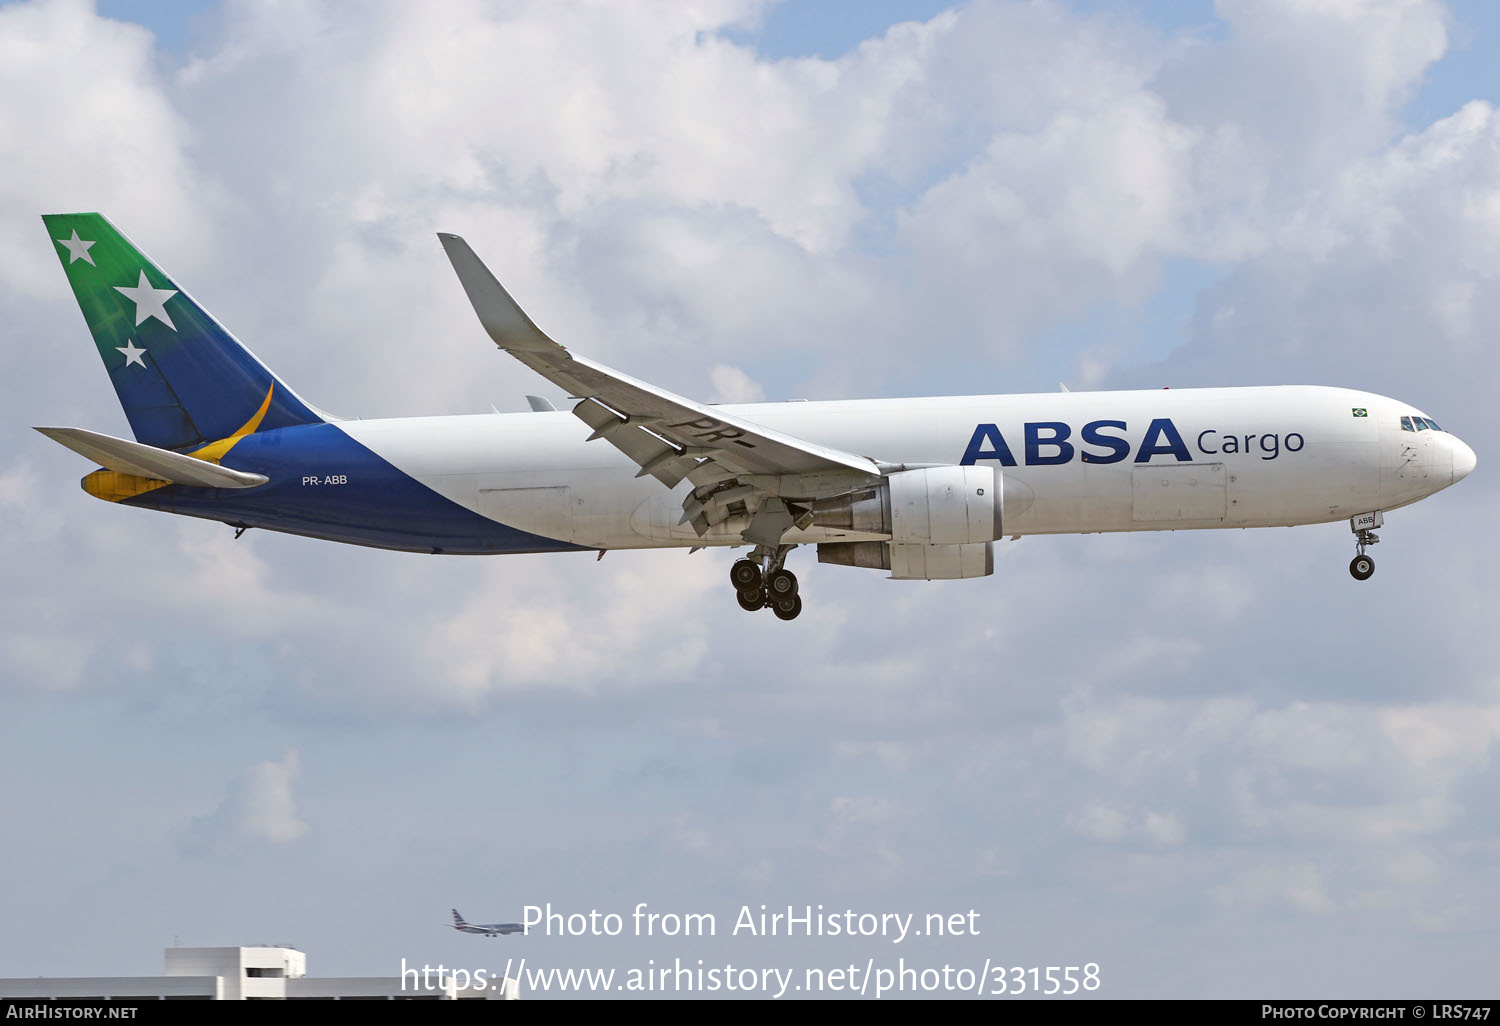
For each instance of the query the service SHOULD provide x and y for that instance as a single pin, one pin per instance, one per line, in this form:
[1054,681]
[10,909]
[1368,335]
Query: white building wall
[225,974]
[181,986]
[346,987]
[248,972]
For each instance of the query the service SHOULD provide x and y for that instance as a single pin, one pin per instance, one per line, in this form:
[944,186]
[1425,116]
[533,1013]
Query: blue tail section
[182,378]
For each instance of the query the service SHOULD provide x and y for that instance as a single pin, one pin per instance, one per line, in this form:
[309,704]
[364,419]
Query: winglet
[505,321]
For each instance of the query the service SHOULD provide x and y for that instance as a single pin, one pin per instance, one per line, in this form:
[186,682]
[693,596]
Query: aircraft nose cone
[1464,460]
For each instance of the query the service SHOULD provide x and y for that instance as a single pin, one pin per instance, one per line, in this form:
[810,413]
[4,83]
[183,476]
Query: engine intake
[931,506]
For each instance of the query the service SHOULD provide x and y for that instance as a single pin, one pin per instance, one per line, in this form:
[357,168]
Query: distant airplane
[921,488]
[486,929]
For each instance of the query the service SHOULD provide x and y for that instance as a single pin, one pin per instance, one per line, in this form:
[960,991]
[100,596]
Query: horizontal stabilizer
[147,461]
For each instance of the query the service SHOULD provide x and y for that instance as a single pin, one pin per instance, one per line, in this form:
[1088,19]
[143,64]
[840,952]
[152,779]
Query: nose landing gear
[1361,567]
[761,581]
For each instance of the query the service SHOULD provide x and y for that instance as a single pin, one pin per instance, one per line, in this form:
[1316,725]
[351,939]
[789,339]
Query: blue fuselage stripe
[358,498]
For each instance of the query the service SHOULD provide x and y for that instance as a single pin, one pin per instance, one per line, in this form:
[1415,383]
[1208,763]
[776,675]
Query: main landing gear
[1361,567]
[761,581]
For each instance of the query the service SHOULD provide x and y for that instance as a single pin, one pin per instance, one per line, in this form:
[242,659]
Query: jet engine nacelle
[914,562]
[932,506]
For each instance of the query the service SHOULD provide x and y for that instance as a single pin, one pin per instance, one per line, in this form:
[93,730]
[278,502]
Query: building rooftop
[274,972]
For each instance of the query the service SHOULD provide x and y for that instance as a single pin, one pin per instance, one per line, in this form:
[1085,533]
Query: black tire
[750,601]
[745,576]
[781,584]
[1361,567]
[787,609]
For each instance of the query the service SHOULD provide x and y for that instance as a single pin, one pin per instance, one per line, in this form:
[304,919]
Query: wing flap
[138,460]
[661,459]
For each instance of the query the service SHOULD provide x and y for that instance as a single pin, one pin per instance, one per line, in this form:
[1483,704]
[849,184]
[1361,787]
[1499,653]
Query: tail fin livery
[182,378]
[458,920]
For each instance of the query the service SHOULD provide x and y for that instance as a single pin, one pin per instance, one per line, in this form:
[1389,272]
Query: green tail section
[182,379]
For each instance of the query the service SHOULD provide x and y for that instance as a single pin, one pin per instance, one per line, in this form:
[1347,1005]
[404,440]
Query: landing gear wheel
[745,576]
[781,584]
[761,580]
[787,609]
[750,601]
[1363,526]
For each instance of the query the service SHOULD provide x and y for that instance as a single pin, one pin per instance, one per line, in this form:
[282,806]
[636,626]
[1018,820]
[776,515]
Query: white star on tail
[149,302]
[77,249]
[132,354]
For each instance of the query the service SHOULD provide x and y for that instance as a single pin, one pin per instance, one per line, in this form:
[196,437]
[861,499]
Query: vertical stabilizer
[182,379]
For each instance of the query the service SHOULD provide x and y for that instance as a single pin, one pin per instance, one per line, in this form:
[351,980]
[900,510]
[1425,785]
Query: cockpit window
[1420,423]
[1432,423]
[1406,424]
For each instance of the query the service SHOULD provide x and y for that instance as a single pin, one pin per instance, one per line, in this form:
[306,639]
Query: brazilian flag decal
[1359,411]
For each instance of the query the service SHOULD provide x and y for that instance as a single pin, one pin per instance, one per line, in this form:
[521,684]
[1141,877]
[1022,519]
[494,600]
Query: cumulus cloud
[258,811]
[1298,886]
[732,385]
[864,809]
[113,139]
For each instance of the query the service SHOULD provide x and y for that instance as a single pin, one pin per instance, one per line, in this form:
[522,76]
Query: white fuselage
[1072,462]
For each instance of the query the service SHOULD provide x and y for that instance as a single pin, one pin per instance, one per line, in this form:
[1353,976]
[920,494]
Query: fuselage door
[543,511]
[1192,493]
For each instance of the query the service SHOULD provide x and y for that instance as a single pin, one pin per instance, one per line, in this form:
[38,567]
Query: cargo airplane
[921,488]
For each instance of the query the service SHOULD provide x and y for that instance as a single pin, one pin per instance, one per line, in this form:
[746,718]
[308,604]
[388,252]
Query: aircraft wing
[729,460]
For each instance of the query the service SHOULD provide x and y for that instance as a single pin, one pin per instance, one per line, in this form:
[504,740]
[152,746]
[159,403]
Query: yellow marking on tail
[213,452]
[112,486]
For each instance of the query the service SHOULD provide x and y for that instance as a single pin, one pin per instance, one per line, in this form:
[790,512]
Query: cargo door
[1182,494]
[543,511]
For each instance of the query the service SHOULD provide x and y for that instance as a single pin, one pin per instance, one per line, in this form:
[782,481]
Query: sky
[1209,763]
